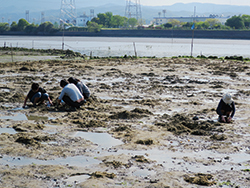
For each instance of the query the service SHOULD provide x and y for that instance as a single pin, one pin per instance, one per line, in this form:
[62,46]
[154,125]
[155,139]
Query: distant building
[163,20]
[82,20]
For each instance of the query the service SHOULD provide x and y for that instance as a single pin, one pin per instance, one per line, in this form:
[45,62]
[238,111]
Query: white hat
[227,98]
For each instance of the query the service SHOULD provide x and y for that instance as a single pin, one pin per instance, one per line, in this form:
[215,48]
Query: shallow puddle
[212,161]
[17,109]
[76,179]
[81,161]
[144,173]
[4,90]
[15,117]
[7,130]
[103,140]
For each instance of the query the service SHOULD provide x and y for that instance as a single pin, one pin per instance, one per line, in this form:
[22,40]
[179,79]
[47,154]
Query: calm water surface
[112,46]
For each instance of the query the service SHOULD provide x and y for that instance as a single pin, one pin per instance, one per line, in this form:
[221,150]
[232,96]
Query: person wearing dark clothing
[37,94]
[81,86]
[226,107]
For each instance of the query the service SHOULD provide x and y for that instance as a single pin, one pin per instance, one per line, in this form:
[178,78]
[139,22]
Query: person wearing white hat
[226,108]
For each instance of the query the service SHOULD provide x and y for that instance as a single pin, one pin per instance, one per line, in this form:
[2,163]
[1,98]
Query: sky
[171,2]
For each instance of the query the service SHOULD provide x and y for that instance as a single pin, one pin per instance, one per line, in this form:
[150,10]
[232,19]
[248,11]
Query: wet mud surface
[149,123]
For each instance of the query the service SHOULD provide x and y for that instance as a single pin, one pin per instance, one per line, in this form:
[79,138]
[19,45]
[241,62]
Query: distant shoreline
[205,34]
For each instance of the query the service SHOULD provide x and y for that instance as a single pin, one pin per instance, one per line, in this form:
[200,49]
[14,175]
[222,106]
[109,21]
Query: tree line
[103,20]
[235,22]
[108,20]
[24,25]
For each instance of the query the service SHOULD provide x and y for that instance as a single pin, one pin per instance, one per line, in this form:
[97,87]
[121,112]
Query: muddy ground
[149,123]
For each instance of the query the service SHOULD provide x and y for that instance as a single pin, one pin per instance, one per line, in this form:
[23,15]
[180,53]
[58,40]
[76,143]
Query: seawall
[206,34]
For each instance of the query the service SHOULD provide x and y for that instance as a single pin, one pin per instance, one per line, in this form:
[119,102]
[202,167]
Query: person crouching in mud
[70,95]
[81,86]
[37,95]
[226,108]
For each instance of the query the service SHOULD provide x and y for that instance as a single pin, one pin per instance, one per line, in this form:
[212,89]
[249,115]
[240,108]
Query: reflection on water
[175,160]
[200,162]
[80,161]
[102,139]
[144,172]
[7,130]
[76,179]
[15,117]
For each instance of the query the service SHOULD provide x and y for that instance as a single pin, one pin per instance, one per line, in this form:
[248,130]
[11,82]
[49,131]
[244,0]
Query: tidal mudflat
[137,130]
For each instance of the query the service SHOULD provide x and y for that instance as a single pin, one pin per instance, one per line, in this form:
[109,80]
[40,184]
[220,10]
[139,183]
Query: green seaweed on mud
[98,174]
[228,183]
[246,170]
[140,159]
[145,142]
[116,164]
[200,179]
[122,128]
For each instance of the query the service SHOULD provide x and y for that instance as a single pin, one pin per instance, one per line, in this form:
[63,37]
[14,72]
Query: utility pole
[164,12]
[27,15]
[133,10]
[42,17]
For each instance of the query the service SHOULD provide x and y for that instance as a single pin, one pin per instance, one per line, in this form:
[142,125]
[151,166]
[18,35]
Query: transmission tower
[133,10]
[68,12]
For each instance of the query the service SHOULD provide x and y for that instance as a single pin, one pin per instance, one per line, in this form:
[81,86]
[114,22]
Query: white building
[82,20]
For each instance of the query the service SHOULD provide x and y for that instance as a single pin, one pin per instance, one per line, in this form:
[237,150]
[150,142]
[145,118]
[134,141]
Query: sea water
[120,46]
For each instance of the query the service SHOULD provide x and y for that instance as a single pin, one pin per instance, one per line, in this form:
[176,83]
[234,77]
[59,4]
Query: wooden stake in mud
[192,43]
[135,49]
[11,52]
[63,35]
[63,39]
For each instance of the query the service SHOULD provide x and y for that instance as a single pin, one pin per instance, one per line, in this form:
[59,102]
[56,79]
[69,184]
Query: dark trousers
[69,102]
